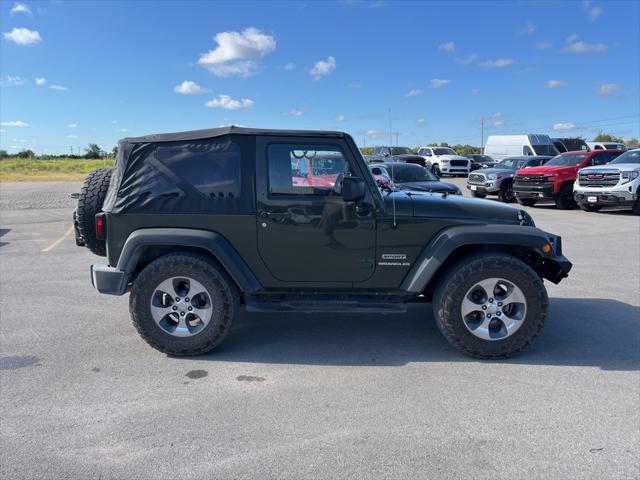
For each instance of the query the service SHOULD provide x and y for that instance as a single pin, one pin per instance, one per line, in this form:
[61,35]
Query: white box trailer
[500,147]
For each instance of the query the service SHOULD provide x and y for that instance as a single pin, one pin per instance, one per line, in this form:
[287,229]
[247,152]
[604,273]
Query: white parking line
[59,241]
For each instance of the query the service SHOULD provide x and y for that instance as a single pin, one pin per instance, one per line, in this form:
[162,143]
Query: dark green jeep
[196,225]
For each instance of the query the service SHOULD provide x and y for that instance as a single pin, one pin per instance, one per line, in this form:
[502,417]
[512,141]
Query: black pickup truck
[197,225]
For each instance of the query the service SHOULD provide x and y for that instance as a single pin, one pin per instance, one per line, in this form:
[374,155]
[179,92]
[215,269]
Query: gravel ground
[311,396]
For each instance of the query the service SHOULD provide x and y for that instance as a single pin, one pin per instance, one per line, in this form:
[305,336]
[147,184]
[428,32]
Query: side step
[324,306]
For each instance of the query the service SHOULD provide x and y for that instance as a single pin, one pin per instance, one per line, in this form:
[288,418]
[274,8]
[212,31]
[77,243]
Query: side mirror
[353,189]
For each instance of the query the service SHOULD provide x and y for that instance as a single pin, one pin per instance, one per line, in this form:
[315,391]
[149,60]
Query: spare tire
[90,200]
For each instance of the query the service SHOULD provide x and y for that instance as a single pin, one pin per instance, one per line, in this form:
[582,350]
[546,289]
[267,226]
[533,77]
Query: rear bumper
[606,198]
[109,280]
[534,191]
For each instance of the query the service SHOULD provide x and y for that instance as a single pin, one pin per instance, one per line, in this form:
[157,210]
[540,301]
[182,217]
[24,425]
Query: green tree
[465,149]
[114,151]
[366,150]
[606,137]
[26,153]
[3,154]
[93,151]
[633,143]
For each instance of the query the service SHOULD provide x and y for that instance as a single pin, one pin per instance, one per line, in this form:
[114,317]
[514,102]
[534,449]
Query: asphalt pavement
[312,396]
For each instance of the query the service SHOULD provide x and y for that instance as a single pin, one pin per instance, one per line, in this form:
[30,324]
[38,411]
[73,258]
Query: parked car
[498,180]
[197,225]
[480,161]
[395,154]
[405,176]
[606,146]
[500,147]
[554,180]
[614,184]
[444,160]
[570,144]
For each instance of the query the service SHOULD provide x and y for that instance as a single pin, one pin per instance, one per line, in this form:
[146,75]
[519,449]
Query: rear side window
[304,169]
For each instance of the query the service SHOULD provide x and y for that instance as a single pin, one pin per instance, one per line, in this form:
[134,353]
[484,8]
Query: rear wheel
[477,195]
[90,200]
[506,194]
[181,304]
[590,208]
[565,200]
[527,202]
[435,169]
[490,305]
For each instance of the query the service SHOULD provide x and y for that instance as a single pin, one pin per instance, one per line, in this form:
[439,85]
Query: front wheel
[506,194]
[527,202]
[490,305]
[435,169]
[589,208]
[181,304]
[565,200]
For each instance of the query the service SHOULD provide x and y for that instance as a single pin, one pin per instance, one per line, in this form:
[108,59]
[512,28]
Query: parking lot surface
[310,396]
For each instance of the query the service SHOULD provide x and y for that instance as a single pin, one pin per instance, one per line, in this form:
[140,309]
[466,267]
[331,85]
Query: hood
[618,167]
[437,205]
[434,186]
[499,171]
[542,169]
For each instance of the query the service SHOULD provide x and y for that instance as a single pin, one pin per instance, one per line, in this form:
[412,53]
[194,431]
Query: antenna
[393,200]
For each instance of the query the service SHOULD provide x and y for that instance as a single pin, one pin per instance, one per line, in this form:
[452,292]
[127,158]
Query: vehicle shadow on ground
[3,232]
[579,332]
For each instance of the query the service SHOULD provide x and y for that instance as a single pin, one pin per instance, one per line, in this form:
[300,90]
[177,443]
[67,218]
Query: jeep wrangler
[196,225]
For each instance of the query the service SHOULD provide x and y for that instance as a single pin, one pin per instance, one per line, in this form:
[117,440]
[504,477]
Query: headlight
[628,176]
[494,176]
[445,160]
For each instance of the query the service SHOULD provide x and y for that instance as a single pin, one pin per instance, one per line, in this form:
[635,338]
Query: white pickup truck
[444,160]
[615,184]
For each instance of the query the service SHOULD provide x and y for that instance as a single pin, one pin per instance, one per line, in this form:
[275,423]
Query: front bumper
[483,189]
[556,266]
[604,197]
[454,170]
[534,191]
[109,280]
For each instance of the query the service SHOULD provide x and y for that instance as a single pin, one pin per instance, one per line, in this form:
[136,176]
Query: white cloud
[563,126]
[294,112]
[228,103]
[189,88]
[528,29]
[290,66]
[497,124]
[374,133]
[498,63]
[340,118]
[73,125]
[15,123]
[237,53]
[592,12]
[439,82]
[10,81]
[420,121]
[122,130]
[40,81]
[72,136]
[555,84]
[60,88]
[413,92]
[475,91]
[114,121]
[322,68]
[573,44]
[542,45]
[447,47]
[466,60]
[20,8]
[23,36]
[608,89]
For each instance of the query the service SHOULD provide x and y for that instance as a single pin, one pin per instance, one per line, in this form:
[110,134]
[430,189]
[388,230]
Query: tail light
[101,226]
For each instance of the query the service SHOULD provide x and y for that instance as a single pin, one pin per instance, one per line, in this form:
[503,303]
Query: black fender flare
[449,239]
[210,241]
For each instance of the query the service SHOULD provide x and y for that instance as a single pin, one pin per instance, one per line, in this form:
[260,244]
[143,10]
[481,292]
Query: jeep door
[306,231]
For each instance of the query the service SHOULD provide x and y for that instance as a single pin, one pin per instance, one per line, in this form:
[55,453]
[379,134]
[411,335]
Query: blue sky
[107,70]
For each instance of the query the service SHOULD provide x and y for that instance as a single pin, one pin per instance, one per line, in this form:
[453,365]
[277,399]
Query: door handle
[276,216]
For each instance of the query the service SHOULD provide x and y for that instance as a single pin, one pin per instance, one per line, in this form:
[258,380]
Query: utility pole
[71,150]
[397,133]
[390,134]
[481,135]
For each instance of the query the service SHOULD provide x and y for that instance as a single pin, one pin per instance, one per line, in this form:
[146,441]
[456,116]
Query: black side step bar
[324,306]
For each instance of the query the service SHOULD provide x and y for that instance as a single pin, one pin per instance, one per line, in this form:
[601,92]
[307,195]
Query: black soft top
[232,129]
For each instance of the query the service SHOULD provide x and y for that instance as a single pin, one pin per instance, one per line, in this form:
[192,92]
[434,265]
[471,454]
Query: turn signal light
[101,226]
[546,248]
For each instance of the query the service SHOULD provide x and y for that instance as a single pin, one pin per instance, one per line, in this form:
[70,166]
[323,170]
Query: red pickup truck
[554,180]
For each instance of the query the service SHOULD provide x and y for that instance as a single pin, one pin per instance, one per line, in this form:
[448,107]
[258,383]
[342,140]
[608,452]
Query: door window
[526,150]
[304,169]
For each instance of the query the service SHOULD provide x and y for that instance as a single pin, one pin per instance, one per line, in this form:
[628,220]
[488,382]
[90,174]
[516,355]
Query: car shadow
[579,332]
[3,232]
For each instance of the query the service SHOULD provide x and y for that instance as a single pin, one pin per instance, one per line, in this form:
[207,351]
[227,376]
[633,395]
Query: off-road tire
[461,277]
[224,296]
[476,194]
[92,195]
[589,208]
[506,194]
[636,206]
[565,200]
[527,202]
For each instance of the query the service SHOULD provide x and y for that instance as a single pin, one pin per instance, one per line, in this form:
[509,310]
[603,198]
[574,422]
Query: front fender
[554,266]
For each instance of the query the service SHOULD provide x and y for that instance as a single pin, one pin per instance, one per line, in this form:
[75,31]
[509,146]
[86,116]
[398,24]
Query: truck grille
[459,163]
[476,178]
[599,179]
[529,180]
